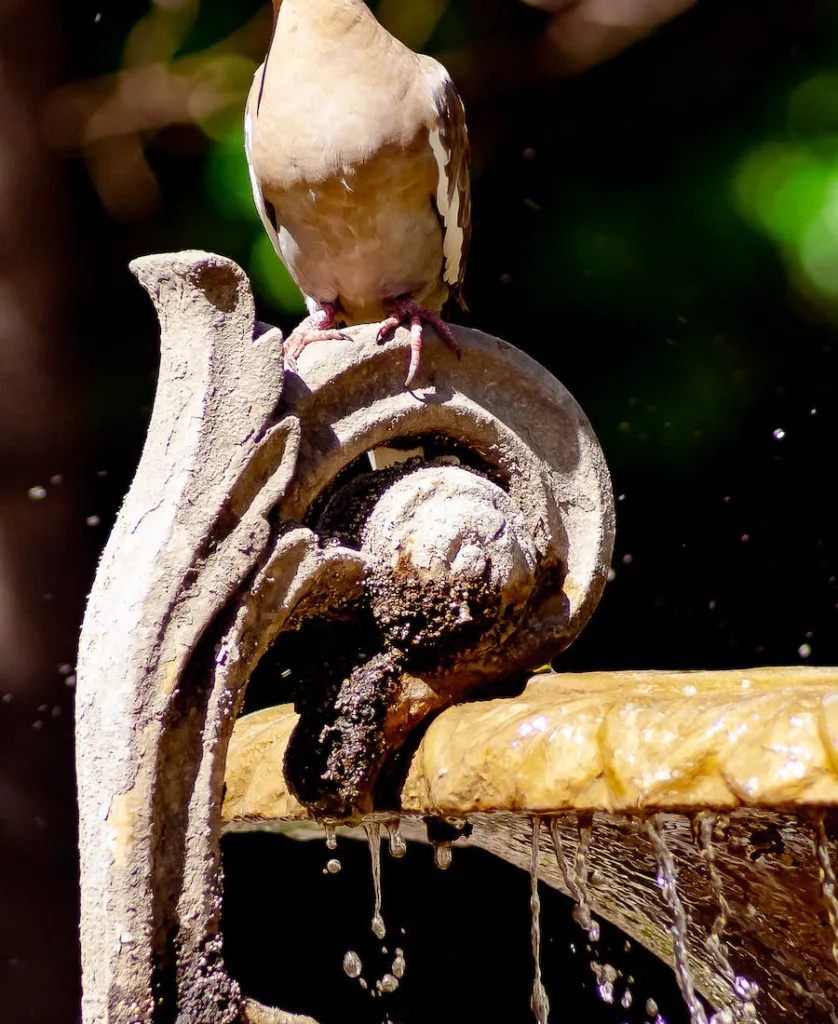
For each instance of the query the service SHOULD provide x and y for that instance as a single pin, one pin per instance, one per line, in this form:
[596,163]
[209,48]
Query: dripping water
[398,967]
[396,841]
[443,855]
[540,1003]
[373,830]
[744,990]
[352,964]
[577,880]
[331,837]
[827,877]
[668,877]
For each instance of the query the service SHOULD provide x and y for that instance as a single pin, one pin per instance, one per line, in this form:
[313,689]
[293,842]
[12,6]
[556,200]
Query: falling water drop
[744,990]
[398,966]
[387,983]
[443,855]
[539,1002]
[577,880]
[333,866]
[668,876]
[606,975]
[827,876]
[627,999]
[373,830]
[331,837]
[352,964]
[397,844]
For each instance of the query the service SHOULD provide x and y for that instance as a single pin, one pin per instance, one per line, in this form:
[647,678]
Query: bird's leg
[319,326]
[410,312]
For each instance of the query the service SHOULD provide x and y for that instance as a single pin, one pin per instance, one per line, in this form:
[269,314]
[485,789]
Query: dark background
[660,231]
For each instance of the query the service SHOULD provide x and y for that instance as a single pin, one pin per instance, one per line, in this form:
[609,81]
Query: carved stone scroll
[459,533]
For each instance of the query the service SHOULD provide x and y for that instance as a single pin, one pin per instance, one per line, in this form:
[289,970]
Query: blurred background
[656,221]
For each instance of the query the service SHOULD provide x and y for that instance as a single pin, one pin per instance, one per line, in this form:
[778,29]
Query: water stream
[744,991]
[539,1002]
[827,877]
[668,881]
[576,880]
[373,830]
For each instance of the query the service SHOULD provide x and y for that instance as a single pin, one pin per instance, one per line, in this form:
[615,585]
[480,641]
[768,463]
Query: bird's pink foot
[406,311]
[320,326]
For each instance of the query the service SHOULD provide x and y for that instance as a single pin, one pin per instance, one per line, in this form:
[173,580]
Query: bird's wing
[264,208]
[449,142]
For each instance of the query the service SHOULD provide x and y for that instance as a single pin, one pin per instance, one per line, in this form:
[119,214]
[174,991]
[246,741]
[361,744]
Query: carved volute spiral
[272,511]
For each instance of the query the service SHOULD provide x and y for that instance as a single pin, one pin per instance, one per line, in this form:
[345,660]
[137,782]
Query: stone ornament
[463,527]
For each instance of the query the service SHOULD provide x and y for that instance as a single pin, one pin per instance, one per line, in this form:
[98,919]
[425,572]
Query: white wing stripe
[448,205]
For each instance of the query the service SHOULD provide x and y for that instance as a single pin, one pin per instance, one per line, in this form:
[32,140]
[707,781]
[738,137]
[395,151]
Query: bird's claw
[407,311]
[319,326]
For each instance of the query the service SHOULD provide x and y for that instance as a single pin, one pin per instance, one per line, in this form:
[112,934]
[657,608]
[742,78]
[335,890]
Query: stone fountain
[392,565]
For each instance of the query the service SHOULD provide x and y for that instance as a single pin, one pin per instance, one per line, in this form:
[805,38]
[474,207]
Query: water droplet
[443,856]
[331,837]
[628,559]
[56,480]
[627,999]
[605,991]
[373,830]
[399,965]
[606,975]
[397,844]
[651,1007]
[779,434]
[745,988]
[387,983]
[93,520]
[37,493]
[352,964]
[805,651]
[333,866]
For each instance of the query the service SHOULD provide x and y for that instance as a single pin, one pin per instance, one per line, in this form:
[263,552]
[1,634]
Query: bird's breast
[365,232]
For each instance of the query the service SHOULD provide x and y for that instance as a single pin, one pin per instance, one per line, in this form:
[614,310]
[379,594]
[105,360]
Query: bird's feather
[449,142]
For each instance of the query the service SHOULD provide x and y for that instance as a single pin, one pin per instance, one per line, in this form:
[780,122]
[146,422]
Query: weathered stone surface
[636,741]
[224,546]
